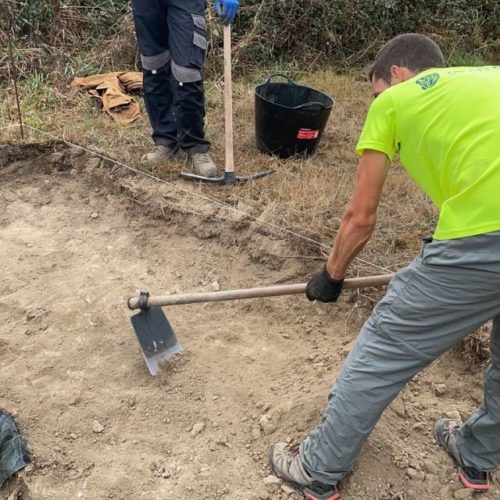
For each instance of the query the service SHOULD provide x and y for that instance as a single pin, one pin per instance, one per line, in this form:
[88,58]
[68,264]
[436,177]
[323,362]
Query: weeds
[306,196]
[475,349]
[69,37]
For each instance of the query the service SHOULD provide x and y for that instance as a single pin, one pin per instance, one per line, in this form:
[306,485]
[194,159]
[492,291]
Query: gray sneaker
[203,164]
[159,154]
[285,463]
[445,431]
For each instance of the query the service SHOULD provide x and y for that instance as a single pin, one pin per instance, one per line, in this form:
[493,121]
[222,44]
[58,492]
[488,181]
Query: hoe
[156,336]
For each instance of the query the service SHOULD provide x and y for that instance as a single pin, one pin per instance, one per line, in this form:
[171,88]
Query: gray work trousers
[446,293]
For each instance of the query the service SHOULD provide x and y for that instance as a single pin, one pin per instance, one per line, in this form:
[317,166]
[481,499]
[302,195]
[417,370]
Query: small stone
[93,163]
[56,157]
[432,482]
[420,476]
[97,427]
[223,442]
[166,474]
[215,286]
[197,428]
[266,425]
[428,466]
[463,493]
[76,151]
[444,493]
[271,480]
[289,491]
[440,389]
[94,215]
[454,415]
[418,426]
[411,473]
[256,433]
[73,436]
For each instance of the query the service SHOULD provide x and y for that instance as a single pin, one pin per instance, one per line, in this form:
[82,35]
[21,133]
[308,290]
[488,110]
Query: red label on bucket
[307,133]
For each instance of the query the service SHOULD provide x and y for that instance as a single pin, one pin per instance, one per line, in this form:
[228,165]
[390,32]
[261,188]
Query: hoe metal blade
[156,337]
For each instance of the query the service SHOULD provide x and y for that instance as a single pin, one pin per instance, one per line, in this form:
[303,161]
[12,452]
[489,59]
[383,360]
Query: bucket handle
[290,81]
[310,104]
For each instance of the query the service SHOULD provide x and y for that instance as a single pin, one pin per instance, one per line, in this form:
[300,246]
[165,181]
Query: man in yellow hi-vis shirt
[445,125]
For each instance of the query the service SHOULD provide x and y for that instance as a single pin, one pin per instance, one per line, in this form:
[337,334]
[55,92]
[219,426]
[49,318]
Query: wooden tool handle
[228,101]
[252,293]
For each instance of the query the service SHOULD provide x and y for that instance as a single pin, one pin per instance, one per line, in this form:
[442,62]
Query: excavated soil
[73,246]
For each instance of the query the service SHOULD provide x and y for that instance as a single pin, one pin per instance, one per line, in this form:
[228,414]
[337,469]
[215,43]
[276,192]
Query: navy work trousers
[172,41]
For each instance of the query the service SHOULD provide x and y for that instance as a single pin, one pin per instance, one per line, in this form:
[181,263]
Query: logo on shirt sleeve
[428,81]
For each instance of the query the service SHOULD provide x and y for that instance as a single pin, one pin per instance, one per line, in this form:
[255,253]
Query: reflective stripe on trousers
[172,40]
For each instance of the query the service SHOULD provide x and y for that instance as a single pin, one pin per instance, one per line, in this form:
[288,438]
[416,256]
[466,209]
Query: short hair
[411,50]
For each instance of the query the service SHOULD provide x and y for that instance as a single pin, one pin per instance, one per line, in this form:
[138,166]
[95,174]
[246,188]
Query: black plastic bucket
[289,118]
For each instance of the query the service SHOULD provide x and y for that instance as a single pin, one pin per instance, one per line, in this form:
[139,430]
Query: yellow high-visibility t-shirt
[445,125]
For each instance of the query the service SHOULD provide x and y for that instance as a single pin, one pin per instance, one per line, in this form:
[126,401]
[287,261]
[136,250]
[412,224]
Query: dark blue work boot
[445,431]
[285,463]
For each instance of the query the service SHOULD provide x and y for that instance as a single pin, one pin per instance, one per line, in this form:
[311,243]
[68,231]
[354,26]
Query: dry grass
[475,349]
[305,196]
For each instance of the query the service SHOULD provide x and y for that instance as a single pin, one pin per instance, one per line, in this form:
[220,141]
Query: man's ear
[400,74]
[397,74]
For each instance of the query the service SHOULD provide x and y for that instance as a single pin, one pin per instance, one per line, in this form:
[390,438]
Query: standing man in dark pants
[172,40]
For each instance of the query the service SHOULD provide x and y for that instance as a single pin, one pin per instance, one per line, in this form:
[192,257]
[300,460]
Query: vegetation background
[323,43]
[87,35]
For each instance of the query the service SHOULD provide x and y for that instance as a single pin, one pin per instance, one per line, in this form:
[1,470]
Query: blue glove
[226,10]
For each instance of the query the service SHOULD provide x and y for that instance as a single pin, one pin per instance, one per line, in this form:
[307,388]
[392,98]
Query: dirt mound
[74,247]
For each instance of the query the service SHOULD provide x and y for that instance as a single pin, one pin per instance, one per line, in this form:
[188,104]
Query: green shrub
[310,33]
[349,32]
[61,22]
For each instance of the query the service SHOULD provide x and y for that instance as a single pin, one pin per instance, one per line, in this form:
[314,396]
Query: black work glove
[323,287]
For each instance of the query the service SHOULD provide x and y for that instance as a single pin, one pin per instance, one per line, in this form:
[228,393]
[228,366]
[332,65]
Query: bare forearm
[360,216]
[353,234]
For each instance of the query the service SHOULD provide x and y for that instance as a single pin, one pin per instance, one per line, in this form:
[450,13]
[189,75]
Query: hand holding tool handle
[252,293]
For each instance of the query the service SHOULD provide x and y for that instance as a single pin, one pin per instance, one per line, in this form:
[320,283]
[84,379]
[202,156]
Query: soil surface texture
[252,373]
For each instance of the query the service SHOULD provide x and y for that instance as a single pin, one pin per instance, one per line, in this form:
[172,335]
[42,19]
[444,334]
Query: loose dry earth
[100,427]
